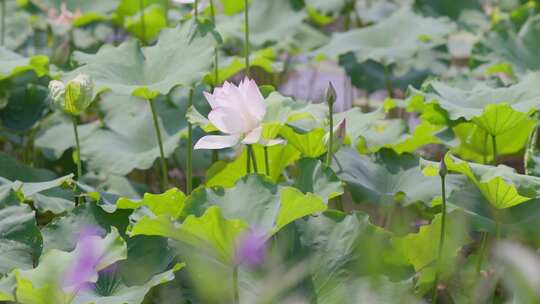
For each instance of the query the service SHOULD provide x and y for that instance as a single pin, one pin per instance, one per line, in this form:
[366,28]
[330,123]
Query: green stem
[441,239]
[216,49]
[235,285]
[331,135]
[246,30]
[143,22]
[164,170]
[189,159]
[494,141]
[266,162]
[78,148]
[196,8]
[253,158]
[483,247]
[3,36]
[248,160]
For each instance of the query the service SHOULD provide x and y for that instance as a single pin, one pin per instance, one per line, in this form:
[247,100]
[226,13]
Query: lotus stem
[215,153]
[483,247]
[143,22]
[331,97]
[441,239]
[3,17]
[235,285]
[248,161]
[164,170]
[216,50]
[189,158]
[246,31]
[253,158]
[266,161]
[196,9]
[78,148]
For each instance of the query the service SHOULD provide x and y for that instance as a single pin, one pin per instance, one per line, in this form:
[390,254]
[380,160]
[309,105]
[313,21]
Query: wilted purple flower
[251,248]
[88,253]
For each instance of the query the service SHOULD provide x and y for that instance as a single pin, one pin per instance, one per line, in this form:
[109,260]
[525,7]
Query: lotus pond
[269,151]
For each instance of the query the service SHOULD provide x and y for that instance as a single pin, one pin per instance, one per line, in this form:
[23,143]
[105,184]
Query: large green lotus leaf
[147,256]
[211,231]
[130,140]
[304,116]
[520,49]
[56,135]
[14,170]
[181,56]
[18,27]
[226,174]
[90,11]
[422,248]
[123,293]
[230,66]
[7,288]
[519,219]
[314,177]
[12,64]
[39,186]
[370,75]
[496,110]
[501,186]
[171,203]
[270,21]
[357,122]
[25,108]
[61,233]
[20,239]
[400,37]
[257,202]
[155,19]
[42,284]
[310,144]
[471,141]
[386,177]
[343,246]
[49,196]
[450,8]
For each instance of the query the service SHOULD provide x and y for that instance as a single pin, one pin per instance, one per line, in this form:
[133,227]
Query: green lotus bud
[331,94]
[443,170]
[73,98]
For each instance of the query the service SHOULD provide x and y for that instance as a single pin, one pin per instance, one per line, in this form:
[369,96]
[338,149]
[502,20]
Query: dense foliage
[269,151]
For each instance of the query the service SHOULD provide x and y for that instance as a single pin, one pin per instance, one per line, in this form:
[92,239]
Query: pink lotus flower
[251,248]
[65,17]
[88,253]
[237,111]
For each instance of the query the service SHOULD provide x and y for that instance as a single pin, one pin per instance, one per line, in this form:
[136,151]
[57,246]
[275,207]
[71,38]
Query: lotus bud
[443,170]
[331,94]
[73,98]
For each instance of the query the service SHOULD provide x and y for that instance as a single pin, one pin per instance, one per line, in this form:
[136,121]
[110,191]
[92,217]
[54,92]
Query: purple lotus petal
[80,273]
[251,248]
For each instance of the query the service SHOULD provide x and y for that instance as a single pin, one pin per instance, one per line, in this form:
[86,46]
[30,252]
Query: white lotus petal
[253,99]
[212,142]
[227,120]
[253,136]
